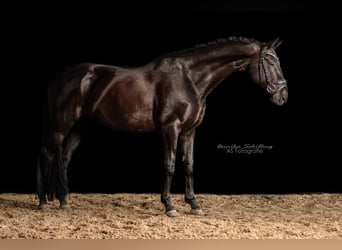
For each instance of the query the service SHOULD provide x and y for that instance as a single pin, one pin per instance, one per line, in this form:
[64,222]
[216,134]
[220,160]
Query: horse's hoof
[197,211]
[172,213]
[65,207]
[43,207]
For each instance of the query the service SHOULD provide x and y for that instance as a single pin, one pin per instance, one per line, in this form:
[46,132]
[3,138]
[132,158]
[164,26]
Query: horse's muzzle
[280,97]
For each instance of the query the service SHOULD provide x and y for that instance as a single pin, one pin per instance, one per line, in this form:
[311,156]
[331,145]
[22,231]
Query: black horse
[167,95]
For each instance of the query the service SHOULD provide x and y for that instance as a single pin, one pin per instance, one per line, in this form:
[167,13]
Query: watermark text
[244,148]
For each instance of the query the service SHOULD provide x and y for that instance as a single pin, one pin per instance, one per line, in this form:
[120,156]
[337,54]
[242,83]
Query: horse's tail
[42,164]
[52,181]
[52,178]
[39,181]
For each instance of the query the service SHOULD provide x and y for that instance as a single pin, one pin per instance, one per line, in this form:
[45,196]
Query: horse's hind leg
[46,172]
[44,164]
[52,172]
[70,144]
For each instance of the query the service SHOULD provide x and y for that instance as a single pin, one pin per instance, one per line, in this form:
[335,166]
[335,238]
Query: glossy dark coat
[167,95]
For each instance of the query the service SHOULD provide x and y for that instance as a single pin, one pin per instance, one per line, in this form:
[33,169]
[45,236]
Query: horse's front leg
[170,137]
[186,144]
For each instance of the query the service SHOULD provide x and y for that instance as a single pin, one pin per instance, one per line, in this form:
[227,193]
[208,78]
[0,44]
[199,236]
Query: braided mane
[218,42]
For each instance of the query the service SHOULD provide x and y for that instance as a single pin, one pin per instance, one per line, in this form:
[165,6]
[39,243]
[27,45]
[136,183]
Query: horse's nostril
[283,94]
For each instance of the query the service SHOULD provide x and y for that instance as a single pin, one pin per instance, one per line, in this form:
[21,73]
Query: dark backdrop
[39,43]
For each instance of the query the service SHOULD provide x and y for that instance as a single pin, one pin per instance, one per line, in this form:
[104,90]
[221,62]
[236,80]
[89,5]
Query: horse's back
[135,99]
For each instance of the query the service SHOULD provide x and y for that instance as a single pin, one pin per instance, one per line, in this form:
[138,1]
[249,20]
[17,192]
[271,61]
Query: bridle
[271,87]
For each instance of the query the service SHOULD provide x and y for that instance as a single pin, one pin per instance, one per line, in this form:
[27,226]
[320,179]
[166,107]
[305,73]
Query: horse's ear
[275,43]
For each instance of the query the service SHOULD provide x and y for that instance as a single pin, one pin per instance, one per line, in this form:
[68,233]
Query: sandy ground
[134,216]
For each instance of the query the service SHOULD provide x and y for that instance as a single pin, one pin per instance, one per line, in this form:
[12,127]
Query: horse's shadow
[13,203]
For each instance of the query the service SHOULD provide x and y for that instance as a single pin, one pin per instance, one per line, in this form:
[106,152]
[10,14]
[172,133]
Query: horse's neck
[208,70]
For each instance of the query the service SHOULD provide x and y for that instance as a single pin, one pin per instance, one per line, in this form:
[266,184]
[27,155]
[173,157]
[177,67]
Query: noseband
[271,87]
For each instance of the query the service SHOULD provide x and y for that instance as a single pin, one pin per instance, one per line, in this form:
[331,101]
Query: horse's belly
[138,121]
[126,104]
[134,121]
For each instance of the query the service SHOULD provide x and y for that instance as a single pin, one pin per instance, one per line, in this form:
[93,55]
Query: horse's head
[266,72]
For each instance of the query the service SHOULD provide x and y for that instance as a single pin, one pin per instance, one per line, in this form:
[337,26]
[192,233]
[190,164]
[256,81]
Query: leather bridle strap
[271,87]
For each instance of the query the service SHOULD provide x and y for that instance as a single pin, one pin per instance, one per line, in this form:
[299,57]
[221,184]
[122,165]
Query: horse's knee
[170,172]
[188,168]
[70,144]
[170,168]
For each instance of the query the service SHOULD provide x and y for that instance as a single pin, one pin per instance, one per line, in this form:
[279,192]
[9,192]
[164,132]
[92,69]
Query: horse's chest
[193,117]
[199,116]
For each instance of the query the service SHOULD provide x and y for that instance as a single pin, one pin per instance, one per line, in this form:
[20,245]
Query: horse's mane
[218,42]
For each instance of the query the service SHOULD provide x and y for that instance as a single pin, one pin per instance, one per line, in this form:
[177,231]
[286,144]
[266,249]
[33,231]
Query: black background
[40,41]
